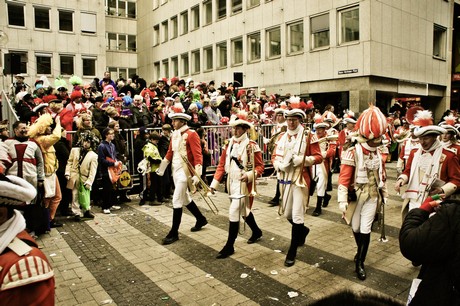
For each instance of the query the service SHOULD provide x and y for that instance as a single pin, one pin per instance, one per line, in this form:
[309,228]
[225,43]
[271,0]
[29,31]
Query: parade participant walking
[431,169]
[242,161]
[294,154]
[185,155]
[363,165]
[449,140]
[81,168]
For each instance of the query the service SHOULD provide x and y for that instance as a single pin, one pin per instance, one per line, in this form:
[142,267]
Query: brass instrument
[326,138]
[206,190]
[253,192]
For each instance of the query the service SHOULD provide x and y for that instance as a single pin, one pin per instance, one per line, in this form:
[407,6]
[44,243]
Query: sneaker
[106,211]
[115,207]
[88,215]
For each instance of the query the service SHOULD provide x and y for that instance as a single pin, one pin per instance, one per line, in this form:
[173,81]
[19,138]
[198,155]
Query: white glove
[195,180]
[276,165]
[163,165]
[343,206]
[283,167]
[297,160]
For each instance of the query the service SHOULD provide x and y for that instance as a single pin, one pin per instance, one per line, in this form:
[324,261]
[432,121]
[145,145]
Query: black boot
[317,210]
[232,234]
[329,181]
[276,199]
[256,232]
[292,253]
[360,271]
[327,198]
[173,234]
[200,219]
[358,243]
[303,235]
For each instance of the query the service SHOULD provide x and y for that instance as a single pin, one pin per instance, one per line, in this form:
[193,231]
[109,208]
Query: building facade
[342,52]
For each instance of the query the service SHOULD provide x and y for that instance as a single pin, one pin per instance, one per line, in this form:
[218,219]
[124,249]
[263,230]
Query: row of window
[43,16]
[121,42]
[319,28]
[66,65]
[120,8]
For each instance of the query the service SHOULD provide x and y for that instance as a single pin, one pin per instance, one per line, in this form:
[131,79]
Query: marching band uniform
[407,146]
[185,143]
[280,126]
[429,170]
[363,166]
[234,161]
[344,139]
[292,149]
[449,140]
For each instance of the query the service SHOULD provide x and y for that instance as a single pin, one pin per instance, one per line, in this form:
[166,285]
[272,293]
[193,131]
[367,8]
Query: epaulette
[348,157]
[27,270]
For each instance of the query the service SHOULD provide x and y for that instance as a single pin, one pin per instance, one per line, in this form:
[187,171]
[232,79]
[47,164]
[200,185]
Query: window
[122,72]
[185,64]
[111,7]
[221,9]
[43,63]
[273,43]
[121,42]
[295,37]
[175,66]
[439,41]
[156,70]
[196,67]
[237,51]
[66,21]
[195,17]
[184,20]
[254,47]
[16,15]
[237,6]
[252,3]
[207,8]
[23,58]
[132,72]
[42,18]
[112,41]
[222,55]
[166,68]
[174,27]
[164,26]
[88,23]
[349,23]
[156,35]
[122,46]
[131,10]
[121,8]
[67,65]
[208,58]
[319,26]
[132,46]
[89,65]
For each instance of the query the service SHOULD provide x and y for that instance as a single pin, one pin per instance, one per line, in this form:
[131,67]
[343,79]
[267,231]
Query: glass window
[156,70]
[439,41]
[166,68]
[319,26]
[66,21]
[273,42]
[122,73]
[207,8]
[184,21]
[349,22]
[237,6]
[89,66]
[221,9]
[252,3]
[122,46]
[208,58]
[295,36]
[174,27]
[175,66]
[132,72]
[237,51]
[254,47]
[112,41]
[132,46]
[122,8]
[164,26]
[111,7]
[42,18]
[131,10]
[43,63]
[88,23]
[196,67]
[114,72]
[156,35]
[222,55]
[16,15]
[195,17]
[67,67]
[185,64]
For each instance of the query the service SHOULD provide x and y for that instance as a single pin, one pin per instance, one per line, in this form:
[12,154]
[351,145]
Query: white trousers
[364,215]
[181,196]
[321,185]
[234,210]
[295,202]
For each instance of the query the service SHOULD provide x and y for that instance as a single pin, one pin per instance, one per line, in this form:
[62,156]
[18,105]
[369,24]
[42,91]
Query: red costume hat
[372,124]
[424,124]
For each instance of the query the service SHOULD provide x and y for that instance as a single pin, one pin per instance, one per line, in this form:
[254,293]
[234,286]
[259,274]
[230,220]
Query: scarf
[366,163]
[10,229]
[236,148]
[176,138]
[416,187]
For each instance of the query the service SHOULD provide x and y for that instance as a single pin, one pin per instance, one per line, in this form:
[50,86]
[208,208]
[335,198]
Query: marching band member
[295,149]
[239,153]
[344,139]
[322,170]
[363,166]
[408,144]
[431,169]
[449,139]
[184,152]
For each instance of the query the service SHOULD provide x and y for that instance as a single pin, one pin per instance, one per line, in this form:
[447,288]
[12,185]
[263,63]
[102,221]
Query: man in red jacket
[184,153]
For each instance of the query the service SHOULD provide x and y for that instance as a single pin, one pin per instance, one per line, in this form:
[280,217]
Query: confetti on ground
[293,294]
[244,275]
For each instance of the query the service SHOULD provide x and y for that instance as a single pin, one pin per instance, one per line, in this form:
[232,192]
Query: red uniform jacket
[193,147]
